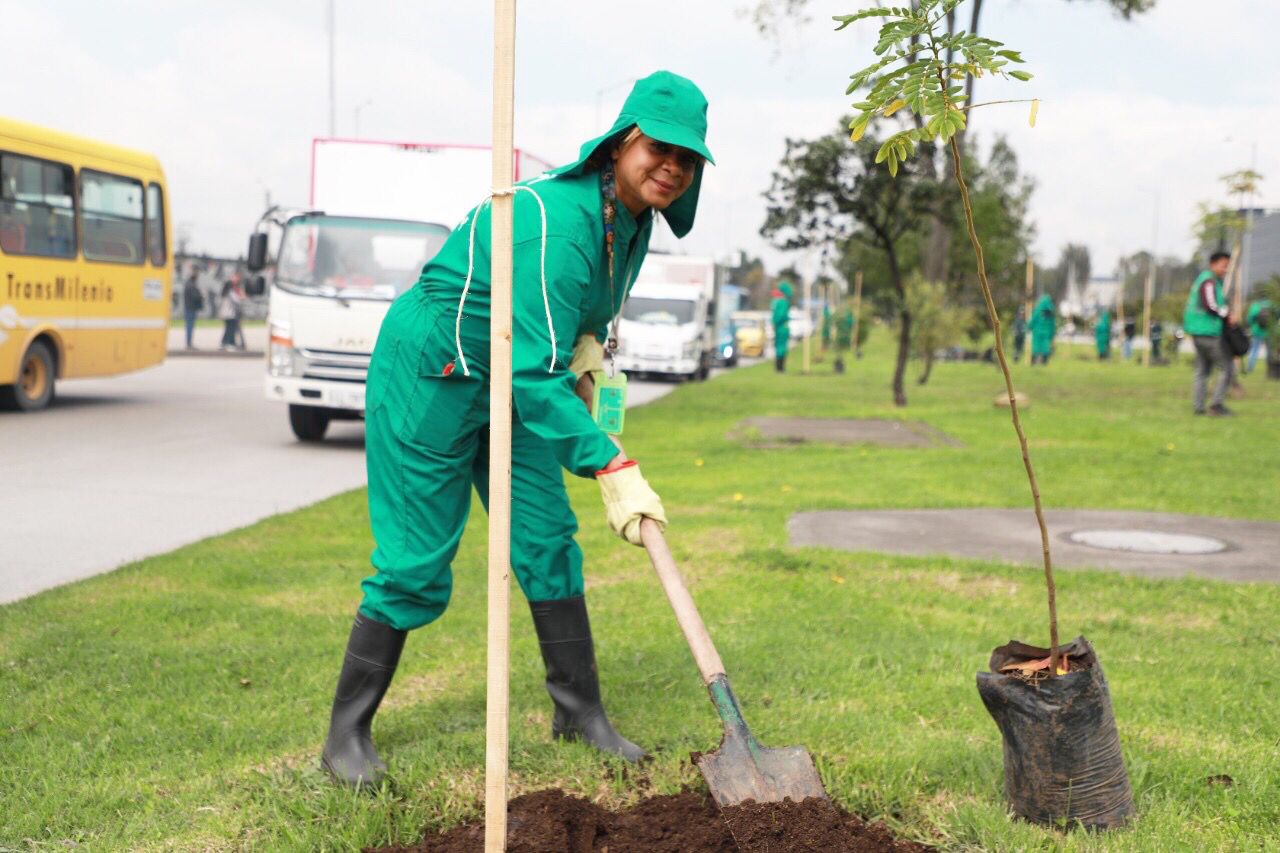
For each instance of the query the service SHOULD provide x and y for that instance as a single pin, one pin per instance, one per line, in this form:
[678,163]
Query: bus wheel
[309,422]
[34,388]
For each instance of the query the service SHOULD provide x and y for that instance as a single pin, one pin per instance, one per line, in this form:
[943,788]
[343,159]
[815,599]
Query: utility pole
[1148,291]
[857,309]
[332,83]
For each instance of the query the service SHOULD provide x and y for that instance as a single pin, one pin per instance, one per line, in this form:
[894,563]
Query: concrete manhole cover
[1148,541]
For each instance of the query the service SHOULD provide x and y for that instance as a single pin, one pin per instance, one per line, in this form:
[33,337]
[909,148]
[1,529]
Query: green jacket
[577,300]
[1256,329]
[1043,326]
[1102,330]
[782,318]
[844,328]
[1197,319]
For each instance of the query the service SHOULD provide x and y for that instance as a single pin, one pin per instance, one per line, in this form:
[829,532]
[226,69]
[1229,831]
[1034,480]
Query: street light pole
[332,84]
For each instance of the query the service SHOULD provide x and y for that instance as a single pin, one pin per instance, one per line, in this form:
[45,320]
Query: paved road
[128,467]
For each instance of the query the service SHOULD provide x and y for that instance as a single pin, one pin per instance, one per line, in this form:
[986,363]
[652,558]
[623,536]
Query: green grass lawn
[180,702]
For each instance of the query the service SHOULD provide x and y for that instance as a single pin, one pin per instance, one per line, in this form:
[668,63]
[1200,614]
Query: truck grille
[335,365]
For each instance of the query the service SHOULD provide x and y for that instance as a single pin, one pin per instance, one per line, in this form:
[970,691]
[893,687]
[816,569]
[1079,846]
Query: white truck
[668,322]
[378,212]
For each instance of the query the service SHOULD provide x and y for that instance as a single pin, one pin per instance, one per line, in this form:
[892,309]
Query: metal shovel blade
[744,769]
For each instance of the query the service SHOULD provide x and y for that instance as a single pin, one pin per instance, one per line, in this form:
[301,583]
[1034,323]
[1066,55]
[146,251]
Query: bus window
[37,212]
[111,217]
[155,226]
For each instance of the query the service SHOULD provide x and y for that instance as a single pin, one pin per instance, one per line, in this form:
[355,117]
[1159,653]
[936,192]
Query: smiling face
[652,173]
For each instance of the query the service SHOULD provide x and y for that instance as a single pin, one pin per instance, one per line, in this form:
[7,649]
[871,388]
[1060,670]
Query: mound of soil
[553,822]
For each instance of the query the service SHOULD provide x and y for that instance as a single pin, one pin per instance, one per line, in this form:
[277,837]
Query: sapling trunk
[1013,404]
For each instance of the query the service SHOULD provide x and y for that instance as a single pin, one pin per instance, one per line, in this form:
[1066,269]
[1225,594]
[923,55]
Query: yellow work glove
[628,499]
[588,356]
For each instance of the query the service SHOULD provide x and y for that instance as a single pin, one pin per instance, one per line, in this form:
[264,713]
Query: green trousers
[426,445]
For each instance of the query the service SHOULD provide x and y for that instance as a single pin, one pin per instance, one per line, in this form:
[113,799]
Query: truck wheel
[34,388]
[309,422]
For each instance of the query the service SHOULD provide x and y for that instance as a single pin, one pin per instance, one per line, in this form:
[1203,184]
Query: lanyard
[609,192]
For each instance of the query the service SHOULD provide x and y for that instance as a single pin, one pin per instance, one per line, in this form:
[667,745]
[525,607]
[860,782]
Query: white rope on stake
[499,640]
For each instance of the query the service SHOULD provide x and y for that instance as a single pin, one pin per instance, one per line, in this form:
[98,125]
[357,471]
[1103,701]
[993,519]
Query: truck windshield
[352,258]
[658,312]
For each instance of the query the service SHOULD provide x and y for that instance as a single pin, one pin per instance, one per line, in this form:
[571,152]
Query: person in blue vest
[1202,319]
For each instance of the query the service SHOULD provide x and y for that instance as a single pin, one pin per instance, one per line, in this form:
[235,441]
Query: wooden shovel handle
[695,632]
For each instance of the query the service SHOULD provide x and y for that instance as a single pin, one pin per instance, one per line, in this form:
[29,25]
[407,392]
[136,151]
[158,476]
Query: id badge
[609,404]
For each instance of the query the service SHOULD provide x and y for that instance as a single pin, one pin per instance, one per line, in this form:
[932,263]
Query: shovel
[742,768]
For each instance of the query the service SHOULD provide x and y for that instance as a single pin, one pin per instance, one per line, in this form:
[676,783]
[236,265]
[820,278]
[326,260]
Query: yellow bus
[85,266]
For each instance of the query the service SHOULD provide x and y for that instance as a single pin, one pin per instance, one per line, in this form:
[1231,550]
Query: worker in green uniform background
[1102,335]
[844,328]
[1043,325]
[1260,316]
[1019,334]
[781,324]
[428,402]
[1202,319]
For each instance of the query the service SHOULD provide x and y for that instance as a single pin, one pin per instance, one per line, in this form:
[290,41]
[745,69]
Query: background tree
[826,193]
[1000,197]
[922,71]
[1074,266]
[752,277]
[937,321]
[937,253]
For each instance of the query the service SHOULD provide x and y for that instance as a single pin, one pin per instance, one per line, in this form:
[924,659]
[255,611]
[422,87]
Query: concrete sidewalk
[208,338]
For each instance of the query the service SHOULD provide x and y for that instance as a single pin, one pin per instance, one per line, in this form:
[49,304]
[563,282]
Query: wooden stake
[857,309]
[499,651]
[1026,310]
[808,308]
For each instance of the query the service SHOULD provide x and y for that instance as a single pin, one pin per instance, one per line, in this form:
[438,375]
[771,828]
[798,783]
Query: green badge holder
[609,404]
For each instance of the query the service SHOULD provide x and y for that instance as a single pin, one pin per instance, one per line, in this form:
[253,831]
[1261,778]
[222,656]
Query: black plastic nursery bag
[1062,761]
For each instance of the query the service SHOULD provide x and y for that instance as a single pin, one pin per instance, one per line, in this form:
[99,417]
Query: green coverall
[844,329]
[782,320]
[1102,334]
[427,420]
[1043,325]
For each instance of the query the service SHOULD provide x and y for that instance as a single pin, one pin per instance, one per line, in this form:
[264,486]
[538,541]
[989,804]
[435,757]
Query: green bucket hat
[671,109]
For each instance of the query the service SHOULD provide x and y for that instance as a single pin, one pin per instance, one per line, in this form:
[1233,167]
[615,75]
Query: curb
[214,353]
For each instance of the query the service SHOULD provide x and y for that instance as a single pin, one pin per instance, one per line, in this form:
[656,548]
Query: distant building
[1260,254]
[1085,301]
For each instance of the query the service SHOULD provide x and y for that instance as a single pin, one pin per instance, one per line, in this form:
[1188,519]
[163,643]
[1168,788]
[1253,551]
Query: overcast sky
[229,94]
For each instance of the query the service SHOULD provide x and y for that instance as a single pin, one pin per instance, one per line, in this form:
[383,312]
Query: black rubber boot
[372,654]
[564,633]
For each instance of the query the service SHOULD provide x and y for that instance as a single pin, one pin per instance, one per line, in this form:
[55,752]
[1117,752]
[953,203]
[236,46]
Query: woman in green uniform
[1102,335]
[781,324]
[1043,326]
[581,234]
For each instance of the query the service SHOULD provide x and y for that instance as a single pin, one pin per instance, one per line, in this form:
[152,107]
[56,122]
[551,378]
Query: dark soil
[554,822]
